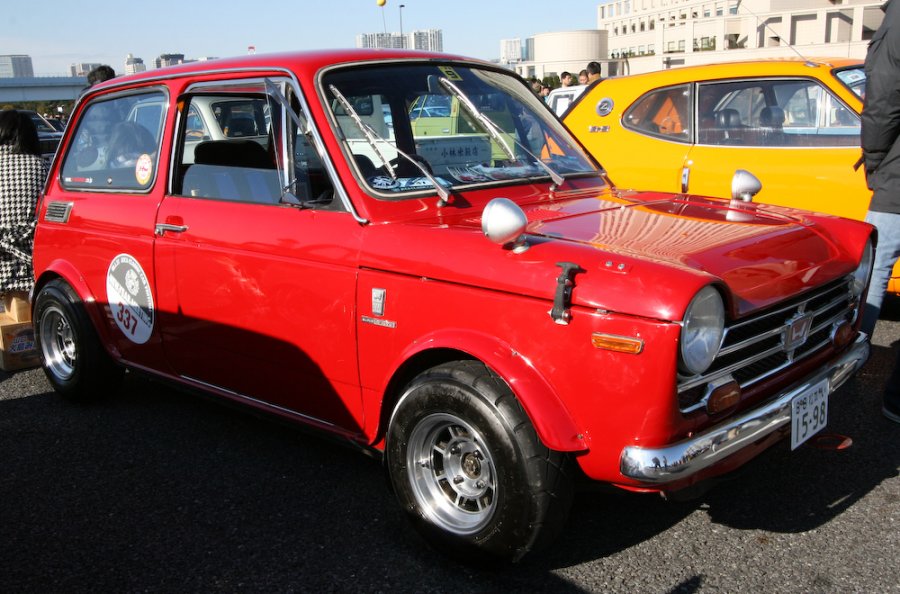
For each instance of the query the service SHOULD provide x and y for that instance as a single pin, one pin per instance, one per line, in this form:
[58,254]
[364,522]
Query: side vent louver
[58,212]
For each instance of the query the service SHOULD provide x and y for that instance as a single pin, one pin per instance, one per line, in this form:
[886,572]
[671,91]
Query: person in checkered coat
[22,175]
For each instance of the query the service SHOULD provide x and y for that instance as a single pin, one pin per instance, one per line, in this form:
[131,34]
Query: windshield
[482,127]
[854,79]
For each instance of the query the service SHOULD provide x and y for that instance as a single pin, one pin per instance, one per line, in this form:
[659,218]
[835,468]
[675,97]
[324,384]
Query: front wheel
[466,464]
[75,363]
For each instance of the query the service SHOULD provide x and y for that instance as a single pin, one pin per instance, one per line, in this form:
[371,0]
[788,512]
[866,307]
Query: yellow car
[792,123]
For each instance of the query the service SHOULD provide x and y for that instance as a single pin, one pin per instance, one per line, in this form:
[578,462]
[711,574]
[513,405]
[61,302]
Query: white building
[423,39]
[568,51]
[134,65]
[655,34]
[634,36]
[511,51]
[16,66]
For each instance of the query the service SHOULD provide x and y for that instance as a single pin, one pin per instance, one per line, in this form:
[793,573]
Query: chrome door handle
[161,228]
[685,178]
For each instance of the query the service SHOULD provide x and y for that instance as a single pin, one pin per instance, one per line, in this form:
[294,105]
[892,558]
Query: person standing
[593,71]
[881,153]
[566,79]
[22,175]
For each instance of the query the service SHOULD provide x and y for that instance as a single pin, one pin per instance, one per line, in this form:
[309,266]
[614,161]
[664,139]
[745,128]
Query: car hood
[643,253]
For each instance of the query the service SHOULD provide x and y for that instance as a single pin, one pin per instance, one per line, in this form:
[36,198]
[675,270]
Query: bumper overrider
[688,457]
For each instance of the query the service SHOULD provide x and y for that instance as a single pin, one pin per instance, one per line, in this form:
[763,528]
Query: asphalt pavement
[160,490]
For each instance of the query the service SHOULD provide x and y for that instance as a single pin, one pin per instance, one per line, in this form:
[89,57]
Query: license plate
[809,413]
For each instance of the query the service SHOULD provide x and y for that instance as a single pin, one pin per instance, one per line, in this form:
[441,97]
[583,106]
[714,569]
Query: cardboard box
[17,348]
[16,306]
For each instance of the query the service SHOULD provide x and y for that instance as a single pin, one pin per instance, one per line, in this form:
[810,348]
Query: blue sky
[56,33]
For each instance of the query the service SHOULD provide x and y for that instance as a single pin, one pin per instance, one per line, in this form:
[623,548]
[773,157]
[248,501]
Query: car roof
[309,61]
[769,67]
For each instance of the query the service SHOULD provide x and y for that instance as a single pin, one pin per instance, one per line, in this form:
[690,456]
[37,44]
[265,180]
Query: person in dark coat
[881,152]
[22,175]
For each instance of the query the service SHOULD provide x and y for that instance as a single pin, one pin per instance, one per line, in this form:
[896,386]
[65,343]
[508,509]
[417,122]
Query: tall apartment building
[16,66]
[654,34]
[168,60]
[425,39]
[133,65]
[82,68]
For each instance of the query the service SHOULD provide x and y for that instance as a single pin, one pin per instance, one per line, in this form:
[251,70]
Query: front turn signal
[619,344]
[723,397]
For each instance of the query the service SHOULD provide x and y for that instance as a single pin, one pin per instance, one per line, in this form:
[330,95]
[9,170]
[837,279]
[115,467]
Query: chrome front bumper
[686,458]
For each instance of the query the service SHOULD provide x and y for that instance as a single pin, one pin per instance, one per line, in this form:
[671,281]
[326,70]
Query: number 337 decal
[129,297]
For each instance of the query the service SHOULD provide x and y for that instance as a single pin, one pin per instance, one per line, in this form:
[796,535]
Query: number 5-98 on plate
[809,413]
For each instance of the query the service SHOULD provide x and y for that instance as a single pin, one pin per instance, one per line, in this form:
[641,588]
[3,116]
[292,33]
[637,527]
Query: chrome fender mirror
[504,222]
[744,186]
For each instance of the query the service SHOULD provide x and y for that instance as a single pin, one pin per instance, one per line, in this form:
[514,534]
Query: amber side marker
[619,344]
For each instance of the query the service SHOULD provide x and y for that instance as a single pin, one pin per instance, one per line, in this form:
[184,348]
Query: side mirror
[744,186]
[504,222]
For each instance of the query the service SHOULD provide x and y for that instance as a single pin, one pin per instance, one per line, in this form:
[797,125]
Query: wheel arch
[64,271]
[554,425]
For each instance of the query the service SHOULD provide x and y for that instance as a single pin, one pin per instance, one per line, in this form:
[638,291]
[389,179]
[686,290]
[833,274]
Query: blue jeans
[886,255]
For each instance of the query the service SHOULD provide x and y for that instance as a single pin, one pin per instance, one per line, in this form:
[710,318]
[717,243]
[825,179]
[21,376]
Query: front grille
[754,349]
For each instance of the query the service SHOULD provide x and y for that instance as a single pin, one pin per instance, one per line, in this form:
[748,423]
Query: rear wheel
[467,465]
[75,363]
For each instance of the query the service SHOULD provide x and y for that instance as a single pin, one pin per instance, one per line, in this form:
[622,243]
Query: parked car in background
[456,288]
[48,136]
[560,99]
[792,123]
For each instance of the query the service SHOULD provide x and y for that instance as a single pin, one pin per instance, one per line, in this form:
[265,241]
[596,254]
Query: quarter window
[662,113]
[116,145]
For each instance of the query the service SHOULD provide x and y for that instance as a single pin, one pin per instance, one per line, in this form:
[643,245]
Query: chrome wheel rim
[58,343]
[452,473]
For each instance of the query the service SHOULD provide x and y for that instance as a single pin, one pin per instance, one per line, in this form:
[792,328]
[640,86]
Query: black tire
[508,493]
[75,363]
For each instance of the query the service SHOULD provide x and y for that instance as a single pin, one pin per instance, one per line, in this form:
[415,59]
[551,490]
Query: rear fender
[64,270]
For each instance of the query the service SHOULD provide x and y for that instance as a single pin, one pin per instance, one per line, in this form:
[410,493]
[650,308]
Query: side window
[116,144]
[227,149]
[240,146]
[663,113]
[774,113]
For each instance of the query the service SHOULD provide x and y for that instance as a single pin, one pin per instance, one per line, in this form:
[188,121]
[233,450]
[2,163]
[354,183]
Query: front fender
[551,419]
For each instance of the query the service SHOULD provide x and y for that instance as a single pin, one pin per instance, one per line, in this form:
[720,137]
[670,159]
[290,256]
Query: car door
[260,293]
[797,137]
[111,182]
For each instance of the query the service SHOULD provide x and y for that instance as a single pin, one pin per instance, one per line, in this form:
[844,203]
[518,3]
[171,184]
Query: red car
[476,302]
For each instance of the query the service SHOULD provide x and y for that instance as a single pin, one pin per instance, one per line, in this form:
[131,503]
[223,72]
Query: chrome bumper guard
[686,458]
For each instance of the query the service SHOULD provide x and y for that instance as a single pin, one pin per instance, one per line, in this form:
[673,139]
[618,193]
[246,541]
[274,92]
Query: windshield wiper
[373,139]
[494,132]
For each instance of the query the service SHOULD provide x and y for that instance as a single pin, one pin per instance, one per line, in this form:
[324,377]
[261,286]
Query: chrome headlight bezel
[702,331]
[863,272]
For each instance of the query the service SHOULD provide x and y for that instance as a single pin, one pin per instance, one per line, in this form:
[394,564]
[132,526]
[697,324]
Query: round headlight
[863,271]
[702,330]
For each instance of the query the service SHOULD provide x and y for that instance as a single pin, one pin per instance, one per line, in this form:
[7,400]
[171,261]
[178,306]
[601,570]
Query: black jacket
[881,113]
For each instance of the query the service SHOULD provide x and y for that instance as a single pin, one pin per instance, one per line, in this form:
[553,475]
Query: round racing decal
[143,169]
[130,299]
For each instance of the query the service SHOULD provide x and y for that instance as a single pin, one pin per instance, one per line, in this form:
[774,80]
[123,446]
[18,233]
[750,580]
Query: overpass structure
[42,88]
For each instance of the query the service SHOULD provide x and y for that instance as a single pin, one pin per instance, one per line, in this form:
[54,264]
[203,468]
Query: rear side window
[116,144]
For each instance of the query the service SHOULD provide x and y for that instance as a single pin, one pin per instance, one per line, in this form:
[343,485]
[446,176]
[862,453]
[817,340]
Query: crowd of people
[590,74]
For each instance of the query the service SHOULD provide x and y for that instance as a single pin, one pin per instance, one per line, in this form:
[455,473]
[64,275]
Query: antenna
[774,32]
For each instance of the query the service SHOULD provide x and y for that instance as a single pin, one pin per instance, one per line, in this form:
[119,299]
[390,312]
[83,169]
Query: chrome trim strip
[686,458]
[263,403]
